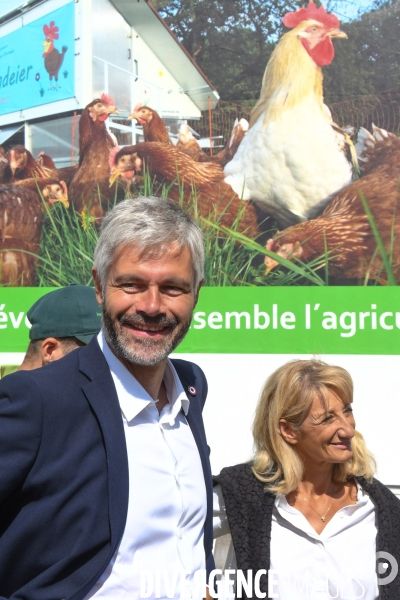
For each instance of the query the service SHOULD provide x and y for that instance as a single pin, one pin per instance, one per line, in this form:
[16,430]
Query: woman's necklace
[322,517]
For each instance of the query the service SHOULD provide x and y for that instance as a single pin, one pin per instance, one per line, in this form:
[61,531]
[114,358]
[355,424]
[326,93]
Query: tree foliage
[232,40]
[367,62]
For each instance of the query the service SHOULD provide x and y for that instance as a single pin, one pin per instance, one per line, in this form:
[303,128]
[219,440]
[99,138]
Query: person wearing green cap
[61,321]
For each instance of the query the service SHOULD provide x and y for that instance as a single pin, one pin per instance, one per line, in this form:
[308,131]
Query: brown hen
[154,129]
[343,230]
[63,173]
[22,165]
[188,144]
[184,175]
[89,186]
[21,216]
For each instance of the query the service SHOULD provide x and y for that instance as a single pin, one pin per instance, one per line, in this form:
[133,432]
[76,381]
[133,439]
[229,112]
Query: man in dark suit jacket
[72,481]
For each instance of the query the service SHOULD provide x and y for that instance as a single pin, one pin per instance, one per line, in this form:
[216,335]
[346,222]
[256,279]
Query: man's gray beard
[161,348]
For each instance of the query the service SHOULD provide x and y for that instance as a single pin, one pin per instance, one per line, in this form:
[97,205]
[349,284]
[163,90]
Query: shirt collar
[133,398]
[281,502]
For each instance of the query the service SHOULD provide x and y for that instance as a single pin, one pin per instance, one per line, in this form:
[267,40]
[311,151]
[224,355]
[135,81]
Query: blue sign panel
[37,62]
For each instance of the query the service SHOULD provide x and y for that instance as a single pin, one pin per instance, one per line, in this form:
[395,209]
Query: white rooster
[290,162]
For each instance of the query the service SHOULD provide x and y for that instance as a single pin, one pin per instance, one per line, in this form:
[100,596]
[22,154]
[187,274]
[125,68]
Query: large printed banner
[37,62]
[342,320]
[240,335]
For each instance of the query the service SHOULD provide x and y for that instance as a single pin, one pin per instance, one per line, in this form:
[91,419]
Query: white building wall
[157,86]
[111,46]
[125,66]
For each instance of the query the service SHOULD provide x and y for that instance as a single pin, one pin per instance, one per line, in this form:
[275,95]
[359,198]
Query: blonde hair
[288,394]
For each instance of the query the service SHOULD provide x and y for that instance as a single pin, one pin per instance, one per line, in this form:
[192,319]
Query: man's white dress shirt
[338,563]
[167,507]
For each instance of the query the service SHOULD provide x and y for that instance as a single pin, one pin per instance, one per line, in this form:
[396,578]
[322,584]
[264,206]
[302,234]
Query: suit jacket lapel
[205,461]
[100,392]
[201,445]
[195,421]
[102,396]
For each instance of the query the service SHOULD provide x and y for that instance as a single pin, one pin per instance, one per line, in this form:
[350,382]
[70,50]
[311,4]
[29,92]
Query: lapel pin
[192,390]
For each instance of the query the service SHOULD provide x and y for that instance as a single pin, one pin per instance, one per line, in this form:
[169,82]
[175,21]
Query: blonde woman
[306,513]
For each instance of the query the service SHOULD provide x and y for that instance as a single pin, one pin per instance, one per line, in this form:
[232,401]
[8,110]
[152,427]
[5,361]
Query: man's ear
[97,285]
[286,432]
[51,349]
[196,296]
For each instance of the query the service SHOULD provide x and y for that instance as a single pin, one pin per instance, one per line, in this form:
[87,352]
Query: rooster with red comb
[292,160]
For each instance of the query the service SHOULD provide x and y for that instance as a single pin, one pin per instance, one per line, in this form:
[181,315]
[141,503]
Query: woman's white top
[338,563]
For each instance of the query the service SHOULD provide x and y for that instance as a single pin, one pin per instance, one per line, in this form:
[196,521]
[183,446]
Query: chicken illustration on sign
[293,159]
[291,162]
[343,232]
[22,206]
[53,59]
[292,168]
[89,187]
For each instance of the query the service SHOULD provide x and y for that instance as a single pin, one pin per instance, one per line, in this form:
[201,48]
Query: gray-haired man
[112,492]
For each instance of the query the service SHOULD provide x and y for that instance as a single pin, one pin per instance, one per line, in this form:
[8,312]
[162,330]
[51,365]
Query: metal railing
[128,90]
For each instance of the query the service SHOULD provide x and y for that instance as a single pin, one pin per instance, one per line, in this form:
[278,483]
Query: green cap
[71,311]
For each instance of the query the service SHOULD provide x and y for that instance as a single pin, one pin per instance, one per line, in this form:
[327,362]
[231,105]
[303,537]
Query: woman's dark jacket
[249,510]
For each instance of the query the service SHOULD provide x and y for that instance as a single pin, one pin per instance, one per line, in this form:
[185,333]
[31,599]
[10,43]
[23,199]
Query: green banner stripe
[303,320]
[281,320]
[14,304]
